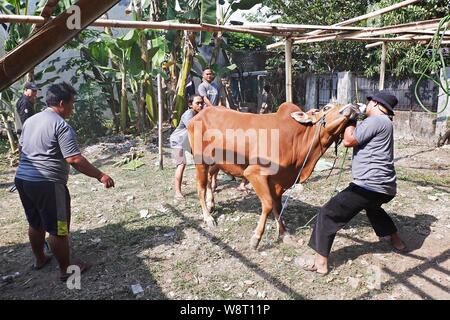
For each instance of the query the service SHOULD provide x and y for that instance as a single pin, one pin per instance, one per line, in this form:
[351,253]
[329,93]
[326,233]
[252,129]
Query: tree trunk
[123,102]
[180,101]
[12,143]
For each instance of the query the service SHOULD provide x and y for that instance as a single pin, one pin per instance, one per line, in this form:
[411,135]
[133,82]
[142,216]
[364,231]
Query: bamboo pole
[382,65]
[52,36]
[160,121]
[288,63]
[402,28]
[249,27]
[374,13]
[409,38]
[357,19]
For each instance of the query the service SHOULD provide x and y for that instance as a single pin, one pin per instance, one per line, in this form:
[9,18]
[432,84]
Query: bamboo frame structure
[356,19]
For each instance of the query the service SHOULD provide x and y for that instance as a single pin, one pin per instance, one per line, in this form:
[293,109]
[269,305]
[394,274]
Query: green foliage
[401,57]
[334,56]
[244,41]
[87,119]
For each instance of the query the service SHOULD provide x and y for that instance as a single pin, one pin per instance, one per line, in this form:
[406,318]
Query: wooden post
[160,115]
[382,66]
[288,63]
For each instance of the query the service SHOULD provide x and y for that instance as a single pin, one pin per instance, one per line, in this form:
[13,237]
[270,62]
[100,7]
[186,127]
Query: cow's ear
[302,117]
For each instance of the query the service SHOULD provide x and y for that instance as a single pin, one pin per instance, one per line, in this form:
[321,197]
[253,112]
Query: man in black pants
[374,181]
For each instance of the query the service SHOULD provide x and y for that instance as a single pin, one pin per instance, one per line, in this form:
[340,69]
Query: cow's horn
[301,117]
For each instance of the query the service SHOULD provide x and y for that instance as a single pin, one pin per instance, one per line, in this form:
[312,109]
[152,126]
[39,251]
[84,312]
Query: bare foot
[398,243]
[320,265]
[40,264]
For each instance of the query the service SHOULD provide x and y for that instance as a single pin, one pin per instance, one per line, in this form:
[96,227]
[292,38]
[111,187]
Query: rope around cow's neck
[322,121]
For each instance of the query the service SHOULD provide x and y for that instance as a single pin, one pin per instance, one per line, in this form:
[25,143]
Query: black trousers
[337,212]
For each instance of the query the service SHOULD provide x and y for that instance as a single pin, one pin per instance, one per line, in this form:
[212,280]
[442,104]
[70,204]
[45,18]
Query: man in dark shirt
[25,104]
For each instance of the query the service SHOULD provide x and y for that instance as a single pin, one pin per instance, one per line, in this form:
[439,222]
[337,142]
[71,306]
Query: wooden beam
[357,19]
[49,8]
[402,28]
[267,29]
[288,64]
[283,27]
[409,38]
[373,14]
[237,29]
[52,36]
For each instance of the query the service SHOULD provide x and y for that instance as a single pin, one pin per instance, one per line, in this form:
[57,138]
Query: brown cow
[239,144]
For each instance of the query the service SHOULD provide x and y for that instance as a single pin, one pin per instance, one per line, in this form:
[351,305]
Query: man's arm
[84,166]
[349,139]
[206,100]
[202,92]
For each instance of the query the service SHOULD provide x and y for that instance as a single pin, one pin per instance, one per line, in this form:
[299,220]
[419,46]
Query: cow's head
[332,117]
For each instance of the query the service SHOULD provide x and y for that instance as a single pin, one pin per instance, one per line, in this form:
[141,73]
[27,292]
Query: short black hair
[59,92]
[191,98]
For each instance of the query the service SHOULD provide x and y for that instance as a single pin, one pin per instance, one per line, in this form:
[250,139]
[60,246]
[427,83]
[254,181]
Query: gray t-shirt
[179,138]
[46,141]
[373,157]
[209,90]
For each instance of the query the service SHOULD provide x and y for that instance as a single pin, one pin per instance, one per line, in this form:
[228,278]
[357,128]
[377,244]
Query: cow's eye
[326,108]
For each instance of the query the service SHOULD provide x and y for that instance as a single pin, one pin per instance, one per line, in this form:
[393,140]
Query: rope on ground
[335,190]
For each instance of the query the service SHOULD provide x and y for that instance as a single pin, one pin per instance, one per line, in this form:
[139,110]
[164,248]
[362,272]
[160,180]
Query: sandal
[313,268]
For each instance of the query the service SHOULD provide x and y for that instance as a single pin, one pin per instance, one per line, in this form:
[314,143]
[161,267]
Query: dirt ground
[173,255]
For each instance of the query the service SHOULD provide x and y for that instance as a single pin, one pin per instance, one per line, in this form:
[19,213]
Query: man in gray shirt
[48,147]
[179,141]
[374,182]
[209,90]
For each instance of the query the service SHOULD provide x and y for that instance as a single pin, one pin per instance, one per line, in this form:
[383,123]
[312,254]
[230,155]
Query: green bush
[88,119]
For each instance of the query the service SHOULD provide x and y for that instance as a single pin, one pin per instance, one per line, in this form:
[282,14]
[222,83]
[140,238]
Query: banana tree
[188,56]
[128,54]
[94,55]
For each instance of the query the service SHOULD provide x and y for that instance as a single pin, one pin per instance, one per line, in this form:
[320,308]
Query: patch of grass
[424,178]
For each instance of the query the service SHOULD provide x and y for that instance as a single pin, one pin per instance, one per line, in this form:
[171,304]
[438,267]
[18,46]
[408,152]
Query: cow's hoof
[254,242]
[210,222]
[210,207]
[287,239]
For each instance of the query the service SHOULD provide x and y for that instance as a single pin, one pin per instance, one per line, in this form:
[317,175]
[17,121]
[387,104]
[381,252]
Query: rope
[435,62]
[333,193]
[321,122]
[301,169]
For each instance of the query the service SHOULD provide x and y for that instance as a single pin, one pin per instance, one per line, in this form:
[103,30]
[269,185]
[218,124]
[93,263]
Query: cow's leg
[283,234]
[202,183]
[261,186]
[212,174]
[276,213]
[214,180]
